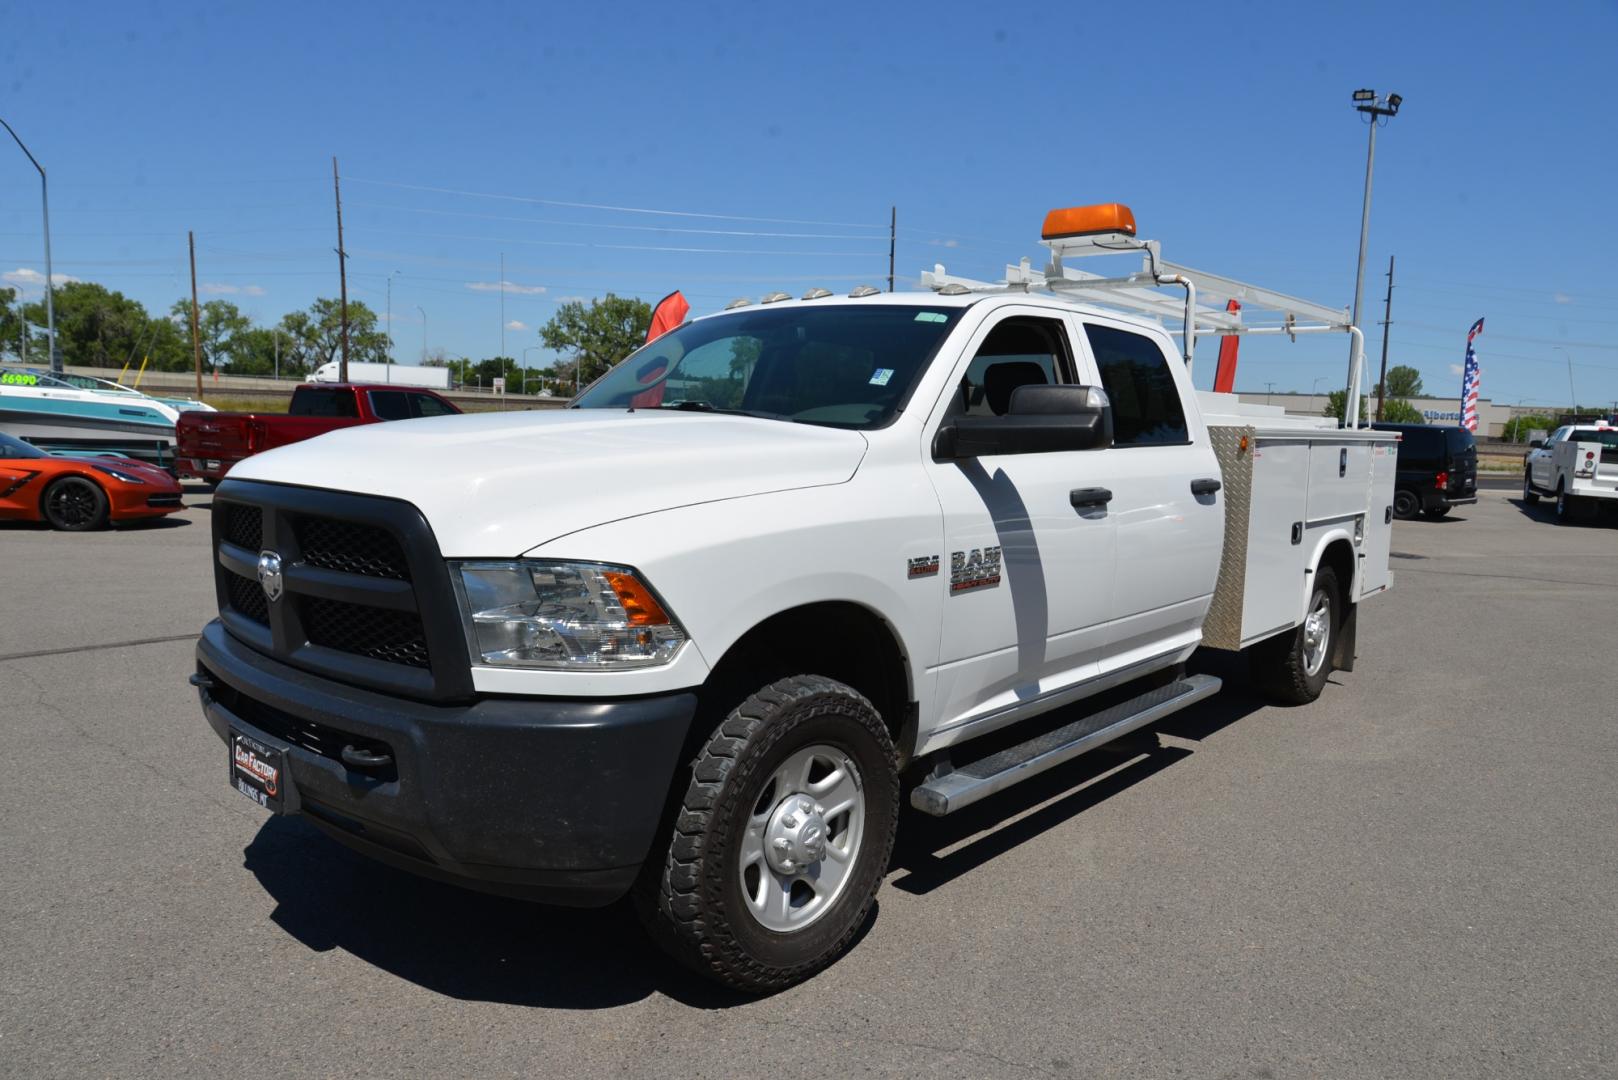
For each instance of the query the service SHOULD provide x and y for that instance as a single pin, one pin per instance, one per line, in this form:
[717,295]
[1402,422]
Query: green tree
[596,337]
[1403,382]
[218,323]
[1336,403]
[316,336]
[1401,412]
[95,327]
[10,323]
[1518,427]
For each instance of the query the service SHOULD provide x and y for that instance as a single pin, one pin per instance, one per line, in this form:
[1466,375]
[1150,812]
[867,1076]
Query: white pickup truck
[693,638]
[1577,466]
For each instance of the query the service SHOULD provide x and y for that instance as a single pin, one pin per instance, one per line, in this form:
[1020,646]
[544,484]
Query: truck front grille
[365,595]
[392,636]
[351,548]
[247,598]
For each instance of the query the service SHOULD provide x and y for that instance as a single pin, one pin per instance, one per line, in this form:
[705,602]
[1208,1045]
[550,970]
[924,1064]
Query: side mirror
[1040,419]
[1536,443]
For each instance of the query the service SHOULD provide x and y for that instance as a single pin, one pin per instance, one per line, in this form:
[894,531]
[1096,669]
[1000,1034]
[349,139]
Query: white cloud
[214,288]
[505,286]
[32,282]
[516,324]
[1563,298]
[568,299]
[945,243]
[1457,369]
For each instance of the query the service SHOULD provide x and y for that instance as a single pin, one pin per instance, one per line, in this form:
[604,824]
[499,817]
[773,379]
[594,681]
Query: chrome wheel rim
[1316,635]
[73,504]
[802,839]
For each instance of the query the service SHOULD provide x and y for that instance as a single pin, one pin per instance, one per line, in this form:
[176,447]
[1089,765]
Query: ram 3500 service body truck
[691,638]
[1577,466]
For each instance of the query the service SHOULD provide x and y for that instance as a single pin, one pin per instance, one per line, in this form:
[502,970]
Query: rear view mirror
[1039,419]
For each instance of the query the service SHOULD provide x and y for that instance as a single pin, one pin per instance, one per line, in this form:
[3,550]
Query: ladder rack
[1138,293]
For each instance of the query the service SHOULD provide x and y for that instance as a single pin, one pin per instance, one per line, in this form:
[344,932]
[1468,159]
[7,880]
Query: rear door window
[1021,351]
[1146,406]
[311,401]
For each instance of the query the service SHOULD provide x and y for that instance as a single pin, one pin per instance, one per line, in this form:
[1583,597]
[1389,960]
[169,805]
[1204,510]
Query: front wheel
[1292,668]
[75,504]
[782,838]
[1529,495]
[1405,504]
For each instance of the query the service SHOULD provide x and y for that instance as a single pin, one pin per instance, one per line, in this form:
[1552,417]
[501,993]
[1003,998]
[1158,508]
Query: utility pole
[1387,321]
[50,279]
[502,303]
[196,338]
[391,276]
[1269,388]
[893,231]
[423,332]
[342,268]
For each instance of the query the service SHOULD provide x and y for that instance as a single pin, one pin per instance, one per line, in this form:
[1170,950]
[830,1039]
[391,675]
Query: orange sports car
[79,494]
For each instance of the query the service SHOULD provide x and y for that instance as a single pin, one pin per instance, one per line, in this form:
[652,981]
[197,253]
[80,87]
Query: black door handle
[1205,487]
[356,758]
[1089,496]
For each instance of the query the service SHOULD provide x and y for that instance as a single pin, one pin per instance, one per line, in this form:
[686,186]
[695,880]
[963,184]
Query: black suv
[1438,469]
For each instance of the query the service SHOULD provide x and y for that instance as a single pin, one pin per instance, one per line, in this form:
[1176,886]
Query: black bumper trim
[546,798]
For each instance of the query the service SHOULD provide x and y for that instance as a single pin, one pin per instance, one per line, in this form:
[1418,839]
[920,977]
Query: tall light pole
[45,206]
[423,333]
[1574,408]
[391,276]
[1377,111]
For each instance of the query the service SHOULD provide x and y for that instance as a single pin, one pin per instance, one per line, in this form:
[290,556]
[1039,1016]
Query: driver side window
[1021,351]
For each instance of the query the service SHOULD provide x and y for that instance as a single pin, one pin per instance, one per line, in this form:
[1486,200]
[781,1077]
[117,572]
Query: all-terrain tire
[695,908]
[1567,506]
[1280,666]
[1529,495]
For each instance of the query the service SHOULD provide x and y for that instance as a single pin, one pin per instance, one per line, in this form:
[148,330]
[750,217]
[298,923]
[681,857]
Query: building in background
[1440,411]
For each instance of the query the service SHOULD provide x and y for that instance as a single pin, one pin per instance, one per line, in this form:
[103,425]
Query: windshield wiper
[703,406]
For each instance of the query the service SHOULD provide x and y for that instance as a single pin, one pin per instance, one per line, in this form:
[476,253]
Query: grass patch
[227,403]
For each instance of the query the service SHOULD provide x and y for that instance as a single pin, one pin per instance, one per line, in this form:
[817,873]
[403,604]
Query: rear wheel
[1293,668]
[1405,504]
[1529,495]
[782,838]
[74,504]
[1566,505]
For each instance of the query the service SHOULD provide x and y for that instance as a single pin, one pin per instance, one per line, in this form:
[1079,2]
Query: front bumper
[544,798]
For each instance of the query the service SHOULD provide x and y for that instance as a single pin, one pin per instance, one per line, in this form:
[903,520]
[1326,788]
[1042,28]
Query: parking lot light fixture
[1377,111]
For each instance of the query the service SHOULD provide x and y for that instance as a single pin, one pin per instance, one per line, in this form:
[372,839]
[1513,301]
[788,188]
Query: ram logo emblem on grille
[269,575]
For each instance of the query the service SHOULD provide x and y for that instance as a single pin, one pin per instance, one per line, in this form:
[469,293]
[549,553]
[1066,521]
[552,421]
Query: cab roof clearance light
[1103,218]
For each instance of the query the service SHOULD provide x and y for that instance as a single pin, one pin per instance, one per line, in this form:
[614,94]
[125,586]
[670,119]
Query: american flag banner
[1470,379]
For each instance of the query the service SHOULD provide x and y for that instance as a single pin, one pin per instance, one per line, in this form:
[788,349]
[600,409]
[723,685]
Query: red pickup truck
[207,444]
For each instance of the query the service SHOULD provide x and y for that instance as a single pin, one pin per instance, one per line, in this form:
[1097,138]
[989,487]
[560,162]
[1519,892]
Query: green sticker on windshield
[931,316]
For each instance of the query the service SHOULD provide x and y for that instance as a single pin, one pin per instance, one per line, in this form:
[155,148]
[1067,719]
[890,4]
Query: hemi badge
[923,566]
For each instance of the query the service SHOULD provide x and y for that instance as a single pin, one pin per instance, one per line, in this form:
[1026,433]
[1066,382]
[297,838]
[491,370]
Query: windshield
[849,365]
[16,448]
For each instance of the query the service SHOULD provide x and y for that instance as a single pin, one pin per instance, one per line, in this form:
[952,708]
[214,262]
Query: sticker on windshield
[881,375]
[931,316]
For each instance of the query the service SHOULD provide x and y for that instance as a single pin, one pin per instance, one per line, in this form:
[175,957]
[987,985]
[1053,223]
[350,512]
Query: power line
[608,225]
[614,209]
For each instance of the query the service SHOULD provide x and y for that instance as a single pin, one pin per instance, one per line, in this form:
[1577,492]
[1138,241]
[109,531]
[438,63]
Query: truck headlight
[539,614]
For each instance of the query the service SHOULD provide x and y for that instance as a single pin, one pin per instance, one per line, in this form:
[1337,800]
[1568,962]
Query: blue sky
[465,130]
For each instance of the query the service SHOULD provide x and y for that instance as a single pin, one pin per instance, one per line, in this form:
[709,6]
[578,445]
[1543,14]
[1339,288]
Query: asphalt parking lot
[1412,877]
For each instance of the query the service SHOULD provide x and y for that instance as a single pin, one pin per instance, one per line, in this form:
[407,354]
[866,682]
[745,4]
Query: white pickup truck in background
[696,636]
[1577,466]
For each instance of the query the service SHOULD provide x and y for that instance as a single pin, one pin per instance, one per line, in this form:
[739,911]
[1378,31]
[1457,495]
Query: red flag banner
[669,313]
